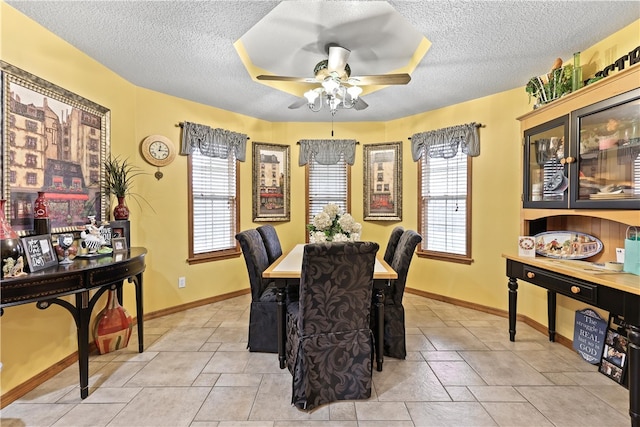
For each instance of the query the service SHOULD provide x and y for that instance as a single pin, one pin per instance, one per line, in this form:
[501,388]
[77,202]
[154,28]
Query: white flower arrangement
[332,225]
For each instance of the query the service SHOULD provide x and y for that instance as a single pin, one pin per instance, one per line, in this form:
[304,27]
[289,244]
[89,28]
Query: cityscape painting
[271,174]
[53,141]
[383,182]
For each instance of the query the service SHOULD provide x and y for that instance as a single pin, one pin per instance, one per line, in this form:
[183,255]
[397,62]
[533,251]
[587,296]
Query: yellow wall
[33,340]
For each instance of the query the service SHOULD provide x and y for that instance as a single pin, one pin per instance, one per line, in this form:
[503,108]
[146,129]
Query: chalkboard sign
[588,335]
[40,252]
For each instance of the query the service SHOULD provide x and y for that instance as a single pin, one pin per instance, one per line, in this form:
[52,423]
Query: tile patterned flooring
[461,370]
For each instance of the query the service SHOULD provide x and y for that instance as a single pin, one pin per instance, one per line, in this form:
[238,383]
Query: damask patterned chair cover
[394,331]
[329,342]
[271,241]
[263,330]
[394,238]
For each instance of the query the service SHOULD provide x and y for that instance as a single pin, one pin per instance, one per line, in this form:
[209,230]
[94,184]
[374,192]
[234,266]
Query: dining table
[286,271]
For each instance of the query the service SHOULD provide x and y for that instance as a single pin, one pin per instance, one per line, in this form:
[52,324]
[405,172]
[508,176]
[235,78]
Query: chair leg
[379,329]
[280,312]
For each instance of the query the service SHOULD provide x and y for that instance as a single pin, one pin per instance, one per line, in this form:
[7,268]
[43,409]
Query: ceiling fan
[338,89]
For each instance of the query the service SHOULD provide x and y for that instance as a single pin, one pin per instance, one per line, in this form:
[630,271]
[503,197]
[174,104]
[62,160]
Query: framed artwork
[120,228]
[614,356]
[53,141]
[383,182]
[119,244]
[39,251]
[271,182]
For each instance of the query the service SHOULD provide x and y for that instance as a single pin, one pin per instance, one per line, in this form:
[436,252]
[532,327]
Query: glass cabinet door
[546,181]
[608,159]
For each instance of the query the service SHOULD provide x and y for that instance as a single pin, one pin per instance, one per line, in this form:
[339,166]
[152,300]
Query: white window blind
[213,194]
[327,184]
[444,201]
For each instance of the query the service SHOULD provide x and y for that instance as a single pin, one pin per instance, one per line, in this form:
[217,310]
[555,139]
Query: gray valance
[327,151]
[445,142]
[212,142]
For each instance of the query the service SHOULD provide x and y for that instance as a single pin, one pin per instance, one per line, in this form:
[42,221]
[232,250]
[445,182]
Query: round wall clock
[158,150]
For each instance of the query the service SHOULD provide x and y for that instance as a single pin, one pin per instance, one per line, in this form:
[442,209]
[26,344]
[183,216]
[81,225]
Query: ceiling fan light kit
[338,89]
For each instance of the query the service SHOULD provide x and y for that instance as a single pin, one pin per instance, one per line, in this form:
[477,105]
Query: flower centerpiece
[332,225]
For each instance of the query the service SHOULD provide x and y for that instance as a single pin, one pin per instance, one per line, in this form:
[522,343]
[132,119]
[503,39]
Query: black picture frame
[65,139]
[39,251]
[121,228]
[613,363]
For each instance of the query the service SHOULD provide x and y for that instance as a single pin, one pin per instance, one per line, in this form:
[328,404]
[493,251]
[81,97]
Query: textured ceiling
[186,48]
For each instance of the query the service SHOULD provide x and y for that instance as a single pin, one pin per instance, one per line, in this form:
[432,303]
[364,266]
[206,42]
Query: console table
[618,293]
[46,287]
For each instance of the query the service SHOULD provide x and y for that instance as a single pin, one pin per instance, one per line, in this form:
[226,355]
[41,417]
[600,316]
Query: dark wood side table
[618,293]
[46,287]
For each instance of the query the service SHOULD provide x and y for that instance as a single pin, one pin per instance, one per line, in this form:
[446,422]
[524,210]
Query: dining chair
[263,330]
[394,328]
[394,238]
[329,343]
[271,241]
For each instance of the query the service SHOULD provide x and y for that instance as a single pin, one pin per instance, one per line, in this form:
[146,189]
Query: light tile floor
[461,370]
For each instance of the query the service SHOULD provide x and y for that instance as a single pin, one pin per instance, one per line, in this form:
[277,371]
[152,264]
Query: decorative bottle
[576,78]
[11,254]
[41,221]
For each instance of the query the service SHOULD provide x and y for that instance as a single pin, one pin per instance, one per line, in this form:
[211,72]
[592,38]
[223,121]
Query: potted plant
[119,176]
[552,85]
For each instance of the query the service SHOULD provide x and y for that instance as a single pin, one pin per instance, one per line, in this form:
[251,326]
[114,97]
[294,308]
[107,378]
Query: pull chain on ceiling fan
[338,89]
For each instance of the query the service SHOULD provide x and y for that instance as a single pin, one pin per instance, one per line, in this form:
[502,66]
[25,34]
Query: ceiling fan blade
[381,79]
[298,103]
[338,57]
[360,104]
[268,77]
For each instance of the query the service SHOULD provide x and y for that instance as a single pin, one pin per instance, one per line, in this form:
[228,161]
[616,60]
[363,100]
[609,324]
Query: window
[214,210]
[327,184]
[445,208]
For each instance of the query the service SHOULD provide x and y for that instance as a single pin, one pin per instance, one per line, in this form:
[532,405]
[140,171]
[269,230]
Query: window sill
[442,256]
[213,256]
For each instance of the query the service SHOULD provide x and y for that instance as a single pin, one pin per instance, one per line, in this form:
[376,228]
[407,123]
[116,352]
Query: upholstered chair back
[401,262]
[256,258]
[394,238]
[271,241]
[329,342]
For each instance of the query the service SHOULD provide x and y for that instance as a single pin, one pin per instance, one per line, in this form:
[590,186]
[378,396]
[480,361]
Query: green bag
[632,251]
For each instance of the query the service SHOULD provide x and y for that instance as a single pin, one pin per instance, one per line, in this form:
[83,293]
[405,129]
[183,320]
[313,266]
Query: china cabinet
[581,172]
[581,162]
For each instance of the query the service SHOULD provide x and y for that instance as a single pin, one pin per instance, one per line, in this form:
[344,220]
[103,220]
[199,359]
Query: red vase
[11,254]
[41,206]
[113,326]
[121,211]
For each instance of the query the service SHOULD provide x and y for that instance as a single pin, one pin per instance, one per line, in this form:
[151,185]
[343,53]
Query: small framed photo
[614,356]
[527,246]
[39,251]
[119,244]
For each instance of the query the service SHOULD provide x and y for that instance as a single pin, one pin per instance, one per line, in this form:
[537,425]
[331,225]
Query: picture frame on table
[60,141]
[271,182]
[39,252]
[119,244]
[121,228]
[383,181]
[614,356]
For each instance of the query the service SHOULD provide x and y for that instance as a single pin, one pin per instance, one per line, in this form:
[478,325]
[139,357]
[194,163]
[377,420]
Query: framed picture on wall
[383,182]
[271,187]
[56,142]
